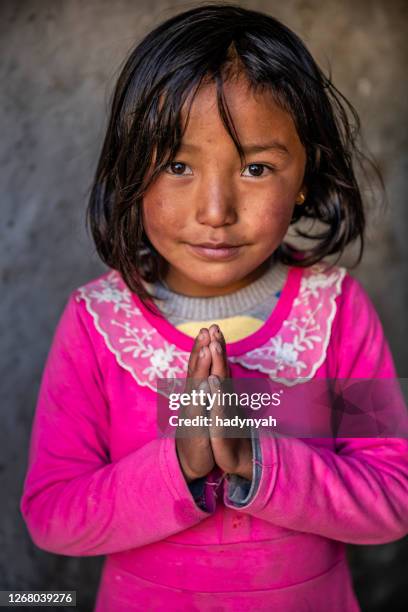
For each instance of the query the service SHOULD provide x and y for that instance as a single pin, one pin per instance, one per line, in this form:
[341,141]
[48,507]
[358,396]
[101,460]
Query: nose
[216,203]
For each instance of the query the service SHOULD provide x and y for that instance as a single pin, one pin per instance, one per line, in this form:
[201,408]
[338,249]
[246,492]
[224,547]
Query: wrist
[245,471]
[188,476]
[245,467]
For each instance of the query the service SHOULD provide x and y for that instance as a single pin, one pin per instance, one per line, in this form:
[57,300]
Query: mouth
[215,251]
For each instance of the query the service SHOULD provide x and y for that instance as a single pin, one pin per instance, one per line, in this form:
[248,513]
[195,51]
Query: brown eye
[257,169]
[177,168]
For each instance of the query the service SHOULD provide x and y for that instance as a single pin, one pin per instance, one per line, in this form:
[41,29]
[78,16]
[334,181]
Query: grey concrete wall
[59,61]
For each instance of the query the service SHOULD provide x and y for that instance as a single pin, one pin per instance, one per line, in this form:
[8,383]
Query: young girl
[223,132]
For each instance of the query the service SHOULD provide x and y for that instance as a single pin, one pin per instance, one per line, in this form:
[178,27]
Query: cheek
[161,217]
[273,217]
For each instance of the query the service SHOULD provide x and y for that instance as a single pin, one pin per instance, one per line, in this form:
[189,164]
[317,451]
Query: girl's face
[205,196]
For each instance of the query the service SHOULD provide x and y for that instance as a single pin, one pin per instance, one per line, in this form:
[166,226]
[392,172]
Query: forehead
[255,114]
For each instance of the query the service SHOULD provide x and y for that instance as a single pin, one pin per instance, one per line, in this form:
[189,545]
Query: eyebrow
[273,145]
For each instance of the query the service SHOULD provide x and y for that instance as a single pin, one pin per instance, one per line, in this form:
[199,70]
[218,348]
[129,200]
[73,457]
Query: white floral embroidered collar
[297,349]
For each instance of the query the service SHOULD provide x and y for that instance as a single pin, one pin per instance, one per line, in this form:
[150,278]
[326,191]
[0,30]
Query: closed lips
[219,245]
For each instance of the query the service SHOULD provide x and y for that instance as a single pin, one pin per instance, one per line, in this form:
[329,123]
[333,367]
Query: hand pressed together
[198,454]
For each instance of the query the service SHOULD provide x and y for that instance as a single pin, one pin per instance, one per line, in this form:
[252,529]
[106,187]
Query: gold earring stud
[301,198]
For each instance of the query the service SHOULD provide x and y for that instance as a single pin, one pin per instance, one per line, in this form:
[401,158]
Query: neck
[176,305]
[190,289]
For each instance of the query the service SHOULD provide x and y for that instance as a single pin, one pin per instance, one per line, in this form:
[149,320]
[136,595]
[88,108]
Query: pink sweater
[101,482]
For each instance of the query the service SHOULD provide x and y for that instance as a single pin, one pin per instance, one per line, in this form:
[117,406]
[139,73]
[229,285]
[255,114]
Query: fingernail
[214,379]
[218,333]
[202,352]
[218,347]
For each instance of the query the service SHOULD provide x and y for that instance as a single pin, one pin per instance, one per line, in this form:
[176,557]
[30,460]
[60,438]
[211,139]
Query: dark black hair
[210,42]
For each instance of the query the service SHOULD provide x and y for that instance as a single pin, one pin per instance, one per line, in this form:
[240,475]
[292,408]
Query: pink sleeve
[359,493]
[76,501]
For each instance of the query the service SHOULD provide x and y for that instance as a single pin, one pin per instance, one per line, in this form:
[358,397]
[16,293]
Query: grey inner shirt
[256,300]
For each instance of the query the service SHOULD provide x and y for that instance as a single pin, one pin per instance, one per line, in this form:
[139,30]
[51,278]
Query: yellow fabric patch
[233,328]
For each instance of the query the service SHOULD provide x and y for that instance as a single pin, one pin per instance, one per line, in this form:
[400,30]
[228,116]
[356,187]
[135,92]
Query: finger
[225,441]
[194,361]
[219,434]
[231,407]
[219,365]
[216,410]
[200,373]
[203,363]
[215,333]
[193,409]
[202,339]
[219,369]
